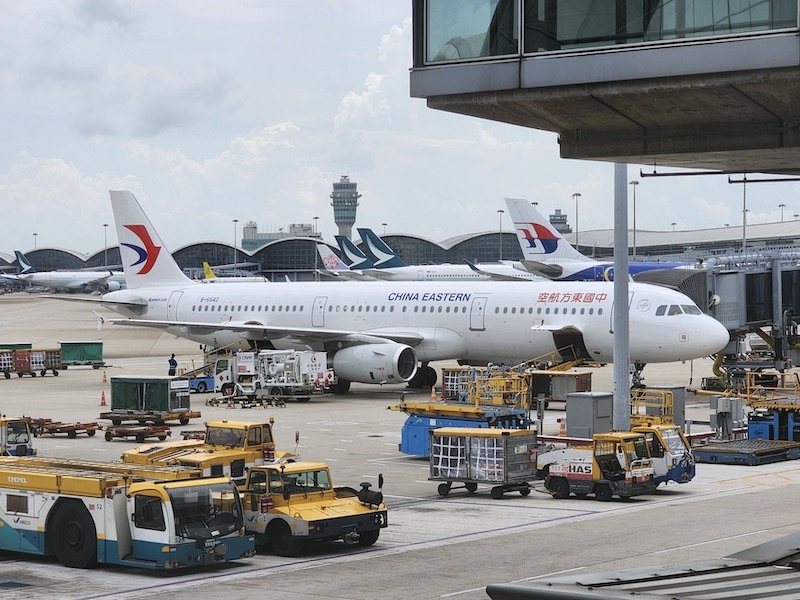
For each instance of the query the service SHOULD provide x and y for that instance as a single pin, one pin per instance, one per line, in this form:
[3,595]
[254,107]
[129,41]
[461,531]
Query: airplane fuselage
[476,321]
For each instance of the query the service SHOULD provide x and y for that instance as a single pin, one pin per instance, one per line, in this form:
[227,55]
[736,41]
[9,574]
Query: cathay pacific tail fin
[25,266]
[358,260]
[383,256]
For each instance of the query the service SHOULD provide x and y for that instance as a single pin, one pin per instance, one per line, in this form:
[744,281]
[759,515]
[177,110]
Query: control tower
[345,202]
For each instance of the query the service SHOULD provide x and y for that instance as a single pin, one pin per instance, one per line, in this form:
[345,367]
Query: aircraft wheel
[74,538]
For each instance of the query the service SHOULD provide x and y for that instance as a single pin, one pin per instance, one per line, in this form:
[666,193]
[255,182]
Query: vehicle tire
[560,487]
[280,539]
[580,496]
[444,489]
[91,432]
[72,535]
[33,373]
[55,373]
[497,493]
[201,387]
[19,374]
[471,487]
[116,422]
[525,491]
[227,389]
[162,437]
[342,386]
[7,374]
[602,492]
[140,438]
[275,391]
[109,436]
[44,372]
[72,434]
[183,421]
[367,538]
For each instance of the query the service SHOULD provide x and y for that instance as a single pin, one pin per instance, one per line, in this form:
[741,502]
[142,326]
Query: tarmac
[434,547]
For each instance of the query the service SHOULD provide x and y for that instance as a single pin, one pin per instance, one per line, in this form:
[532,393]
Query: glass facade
[457,30]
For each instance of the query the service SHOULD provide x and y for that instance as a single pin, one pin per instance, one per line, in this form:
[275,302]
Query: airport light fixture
[673,225]
[316,254]
[781,206]
[575,197]
[634,184]
[500,213]
[235,234]
[105,244]
[34,240]
[384,228]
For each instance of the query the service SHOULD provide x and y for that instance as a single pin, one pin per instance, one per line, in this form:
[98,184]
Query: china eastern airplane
[71,280]
[388,332]
[545,252]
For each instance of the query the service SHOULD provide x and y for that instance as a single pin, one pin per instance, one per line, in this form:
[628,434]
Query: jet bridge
[748,293]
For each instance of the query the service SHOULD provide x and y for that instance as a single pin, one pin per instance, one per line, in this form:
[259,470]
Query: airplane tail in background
[145,260]
[208,272]
[538,239]
[358,260]
[25,266]
[385,257]
[330,262]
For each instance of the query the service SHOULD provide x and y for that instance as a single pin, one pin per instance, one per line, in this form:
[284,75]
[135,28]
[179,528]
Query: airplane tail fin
[330,262]
[358,260]
[385,257]
[208,272]
[145,260]
[25,265]
[538,239]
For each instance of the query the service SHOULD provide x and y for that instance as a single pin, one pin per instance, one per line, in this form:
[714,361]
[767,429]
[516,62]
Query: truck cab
[670,452]
[291,503]
[16,437]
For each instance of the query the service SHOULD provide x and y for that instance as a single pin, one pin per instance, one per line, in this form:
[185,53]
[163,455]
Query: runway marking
[482,588]
[714,541]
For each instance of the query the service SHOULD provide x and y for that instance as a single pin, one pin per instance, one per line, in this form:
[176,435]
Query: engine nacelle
[113,286]
[376,363]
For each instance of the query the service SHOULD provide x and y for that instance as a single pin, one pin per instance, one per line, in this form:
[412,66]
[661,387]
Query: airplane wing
[385,274]
[551,270]
[304,334]
[132,304]
[495,276]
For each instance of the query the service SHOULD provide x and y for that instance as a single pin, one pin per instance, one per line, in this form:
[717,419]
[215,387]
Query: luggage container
[503,458]
[7,362]
[43,361]
[82,353]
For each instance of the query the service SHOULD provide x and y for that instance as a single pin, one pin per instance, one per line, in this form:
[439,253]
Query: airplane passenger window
[259,308]
[505,310]
[447,309]
[440,309]
[599,311]
[353,308]
[423,309]
[193,307]
[330,308]
[391,309]
[513,310]
[583,310]
[497,310]
[574,310]
[547,311]
[337,308]
[301,308]
[206,307]
[344,308]
[280,308]
[383,309]
[253,308]
[416,309]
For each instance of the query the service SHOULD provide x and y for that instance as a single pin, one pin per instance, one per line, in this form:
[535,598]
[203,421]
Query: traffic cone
[104,377]
[562,427]
[103,398]
[433,394]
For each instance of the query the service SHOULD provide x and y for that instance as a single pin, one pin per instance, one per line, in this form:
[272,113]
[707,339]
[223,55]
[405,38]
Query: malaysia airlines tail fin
[358,260]
[145,260]
[385,257]
[538,239]
[25,266]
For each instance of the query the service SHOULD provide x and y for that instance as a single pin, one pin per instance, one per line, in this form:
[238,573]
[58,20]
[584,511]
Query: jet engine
[376,363]
[113,286]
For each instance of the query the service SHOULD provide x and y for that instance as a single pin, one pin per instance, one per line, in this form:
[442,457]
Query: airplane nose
[715,336]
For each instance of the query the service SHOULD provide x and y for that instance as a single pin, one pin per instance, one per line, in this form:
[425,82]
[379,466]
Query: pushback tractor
[88,512]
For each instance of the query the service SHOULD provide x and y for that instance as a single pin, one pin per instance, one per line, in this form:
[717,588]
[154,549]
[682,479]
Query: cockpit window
[691,309]
[674,309]
[661,310]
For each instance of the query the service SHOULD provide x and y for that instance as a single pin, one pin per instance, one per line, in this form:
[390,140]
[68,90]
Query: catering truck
[85,512]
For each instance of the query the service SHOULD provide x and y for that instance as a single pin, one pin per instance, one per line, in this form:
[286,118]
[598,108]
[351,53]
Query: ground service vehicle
[16,437]
[273,373]
[617,464]
[670,453]
[290,503]
[88,512]
[149,400]
[227,448]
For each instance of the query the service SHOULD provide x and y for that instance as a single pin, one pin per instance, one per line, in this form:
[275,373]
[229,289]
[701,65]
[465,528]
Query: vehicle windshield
[636,449]
[674,442]
[307,481]
[18,433]
[206,510]
[225,436]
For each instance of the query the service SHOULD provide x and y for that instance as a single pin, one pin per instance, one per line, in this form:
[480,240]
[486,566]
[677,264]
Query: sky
[212,111]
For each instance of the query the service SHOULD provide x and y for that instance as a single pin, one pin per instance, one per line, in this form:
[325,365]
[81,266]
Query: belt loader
[86,512]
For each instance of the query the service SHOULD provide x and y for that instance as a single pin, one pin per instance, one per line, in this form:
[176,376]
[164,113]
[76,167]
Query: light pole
[105,244]
[575,197]
[500,213]
[384,228]
[316,254]
[235,235]
[781,206]
[34,240]
[634,184]
[316,220]
[673,225]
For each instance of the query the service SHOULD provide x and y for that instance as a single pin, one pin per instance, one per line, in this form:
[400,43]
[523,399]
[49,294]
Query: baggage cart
[139,432]
[82,353]
[49,427]
[503,458]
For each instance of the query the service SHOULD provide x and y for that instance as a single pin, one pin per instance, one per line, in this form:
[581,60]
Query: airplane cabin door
[318,311]
[172,306]
[477,314]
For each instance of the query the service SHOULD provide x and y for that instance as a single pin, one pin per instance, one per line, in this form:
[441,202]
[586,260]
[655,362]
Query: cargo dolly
[118,417]
[139,432]
[747,452]
[41,427]
[250,402]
